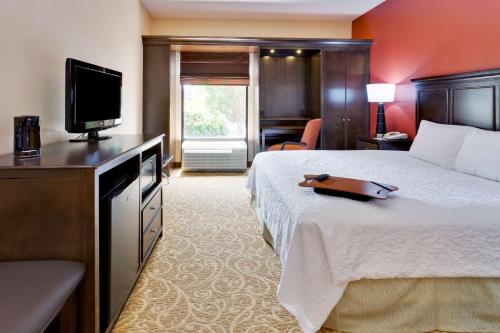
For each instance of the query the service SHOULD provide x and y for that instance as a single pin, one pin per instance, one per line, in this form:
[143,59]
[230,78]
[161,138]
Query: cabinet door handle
[153,230]
[152,207]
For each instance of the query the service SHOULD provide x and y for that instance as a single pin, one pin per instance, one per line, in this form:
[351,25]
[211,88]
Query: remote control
[322,177]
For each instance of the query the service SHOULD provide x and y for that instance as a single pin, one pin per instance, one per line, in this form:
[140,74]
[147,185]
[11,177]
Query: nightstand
[368,143]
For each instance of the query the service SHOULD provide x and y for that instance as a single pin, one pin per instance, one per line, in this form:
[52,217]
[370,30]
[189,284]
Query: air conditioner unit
[214,155]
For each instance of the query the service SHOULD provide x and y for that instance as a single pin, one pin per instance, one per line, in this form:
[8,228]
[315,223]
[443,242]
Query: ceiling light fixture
[272,51]
[299,51]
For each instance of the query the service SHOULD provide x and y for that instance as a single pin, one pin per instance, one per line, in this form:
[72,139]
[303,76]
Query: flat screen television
[93,99]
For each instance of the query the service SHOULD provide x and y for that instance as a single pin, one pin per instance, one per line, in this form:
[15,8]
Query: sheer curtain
[175,106]
[253,107]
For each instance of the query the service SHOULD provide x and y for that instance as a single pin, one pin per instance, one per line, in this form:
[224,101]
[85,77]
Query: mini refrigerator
[119,241]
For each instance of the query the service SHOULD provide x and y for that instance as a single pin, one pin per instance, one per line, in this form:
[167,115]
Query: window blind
[214,68]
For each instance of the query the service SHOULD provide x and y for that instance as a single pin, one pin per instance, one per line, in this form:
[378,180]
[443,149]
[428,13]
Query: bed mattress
[440,223]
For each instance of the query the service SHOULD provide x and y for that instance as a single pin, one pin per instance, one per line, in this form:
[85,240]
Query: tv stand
[61,205]
[91,136]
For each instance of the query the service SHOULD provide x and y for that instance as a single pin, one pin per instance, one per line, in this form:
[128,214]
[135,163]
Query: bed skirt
[416,305]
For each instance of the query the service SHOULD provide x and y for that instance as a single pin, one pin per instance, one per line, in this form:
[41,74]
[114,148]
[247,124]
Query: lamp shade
[380,92]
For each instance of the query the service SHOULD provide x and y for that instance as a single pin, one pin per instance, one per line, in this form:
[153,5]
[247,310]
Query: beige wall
[37,36]
[251,28]
[147,22]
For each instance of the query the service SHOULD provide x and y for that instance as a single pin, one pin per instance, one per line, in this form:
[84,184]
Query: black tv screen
[97,95]
[93,97]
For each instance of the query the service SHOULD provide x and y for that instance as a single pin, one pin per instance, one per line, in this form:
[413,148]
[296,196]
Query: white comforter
[440,223]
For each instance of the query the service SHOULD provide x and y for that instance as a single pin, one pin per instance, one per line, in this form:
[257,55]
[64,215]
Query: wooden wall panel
[290,86]
[313,87]
[282,87]
[156,92]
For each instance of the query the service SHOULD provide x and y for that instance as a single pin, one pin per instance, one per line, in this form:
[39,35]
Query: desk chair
[308,141]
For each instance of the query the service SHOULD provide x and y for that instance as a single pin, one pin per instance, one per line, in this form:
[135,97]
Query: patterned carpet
[211,271]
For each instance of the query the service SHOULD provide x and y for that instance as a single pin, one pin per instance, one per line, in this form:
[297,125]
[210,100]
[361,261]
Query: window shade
[212,68]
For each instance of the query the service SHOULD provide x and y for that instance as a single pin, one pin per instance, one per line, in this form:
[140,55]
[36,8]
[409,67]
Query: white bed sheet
[440,223]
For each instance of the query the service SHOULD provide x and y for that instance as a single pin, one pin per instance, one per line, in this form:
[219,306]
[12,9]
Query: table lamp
[380,93]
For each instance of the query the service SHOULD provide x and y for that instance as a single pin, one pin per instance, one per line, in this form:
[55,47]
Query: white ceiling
[261,9]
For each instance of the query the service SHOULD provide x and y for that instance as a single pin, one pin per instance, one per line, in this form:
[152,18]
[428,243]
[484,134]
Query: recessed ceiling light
[272,51]
[299,51]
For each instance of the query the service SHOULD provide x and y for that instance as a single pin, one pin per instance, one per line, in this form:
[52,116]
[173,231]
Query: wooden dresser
[52,207]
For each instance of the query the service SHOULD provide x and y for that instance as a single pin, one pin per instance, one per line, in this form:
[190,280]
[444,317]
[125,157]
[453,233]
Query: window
[211,111]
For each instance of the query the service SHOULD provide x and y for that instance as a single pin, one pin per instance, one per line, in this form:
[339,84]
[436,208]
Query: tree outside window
[211,111]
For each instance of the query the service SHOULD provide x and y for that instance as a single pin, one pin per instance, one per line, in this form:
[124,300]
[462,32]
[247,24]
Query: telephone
[395,136]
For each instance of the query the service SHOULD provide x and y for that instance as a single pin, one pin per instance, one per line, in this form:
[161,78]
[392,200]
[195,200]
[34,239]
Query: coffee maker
[27,136]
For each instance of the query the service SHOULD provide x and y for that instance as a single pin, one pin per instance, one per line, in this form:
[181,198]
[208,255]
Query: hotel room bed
[427,258]
[440,223]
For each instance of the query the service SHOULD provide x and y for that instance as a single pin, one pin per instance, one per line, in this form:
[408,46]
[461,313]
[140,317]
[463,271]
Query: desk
[273,130]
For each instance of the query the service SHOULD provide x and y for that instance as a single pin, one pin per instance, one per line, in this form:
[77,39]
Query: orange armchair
[308,141]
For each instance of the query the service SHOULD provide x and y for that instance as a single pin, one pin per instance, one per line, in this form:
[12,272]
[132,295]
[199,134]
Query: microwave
[148,174]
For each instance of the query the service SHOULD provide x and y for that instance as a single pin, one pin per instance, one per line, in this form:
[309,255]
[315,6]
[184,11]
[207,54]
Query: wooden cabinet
[333,72]
[345,111]
[357,108]
[151,234]
[156,92]
[61,209]
[339,75]
[151,224]
[326,79]
[150,210]
[289,84]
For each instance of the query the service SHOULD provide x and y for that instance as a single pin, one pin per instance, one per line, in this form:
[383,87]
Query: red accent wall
[416,38]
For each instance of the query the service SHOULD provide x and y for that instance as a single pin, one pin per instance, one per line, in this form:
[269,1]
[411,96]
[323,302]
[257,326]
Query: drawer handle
[152,207]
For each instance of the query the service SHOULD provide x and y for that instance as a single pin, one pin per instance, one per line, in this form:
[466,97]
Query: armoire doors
[345,111]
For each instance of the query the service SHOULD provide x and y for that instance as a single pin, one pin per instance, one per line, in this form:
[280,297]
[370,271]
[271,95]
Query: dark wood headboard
[471,99]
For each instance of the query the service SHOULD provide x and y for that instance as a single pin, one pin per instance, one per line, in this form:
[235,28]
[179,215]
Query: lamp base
[381,127]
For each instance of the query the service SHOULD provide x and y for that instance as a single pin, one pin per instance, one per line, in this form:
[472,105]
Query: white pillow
[480,154]
[438,143]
